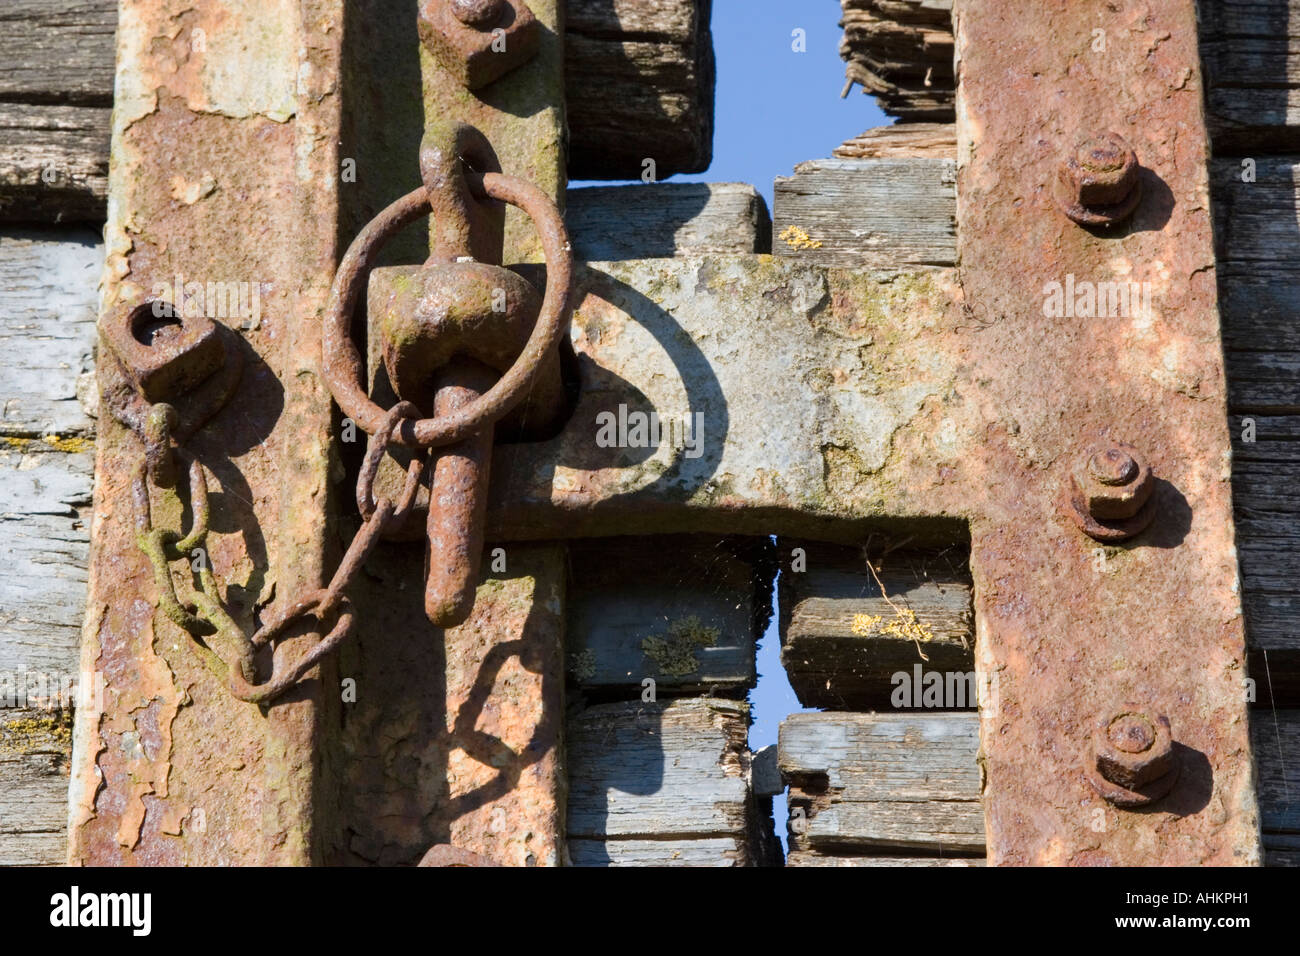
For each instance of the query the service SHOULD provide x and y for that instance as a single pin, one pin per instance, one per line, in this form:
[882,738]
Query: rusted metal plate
[453,737]
[1073,633]
[521,113]
[224,145]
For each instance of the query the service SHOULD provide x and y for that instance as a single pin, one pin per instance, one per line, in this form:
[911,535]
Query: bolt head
[460,34]
[164,353]
[1114,482]
[479,14]
[1132,749]
[1101,171]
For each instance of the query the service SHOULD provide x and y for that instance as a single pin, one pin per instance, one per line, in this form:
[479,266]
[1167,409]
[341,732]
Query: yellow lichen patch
[796,237]
[863,623]
[28,734]
[71,445]
[674,653]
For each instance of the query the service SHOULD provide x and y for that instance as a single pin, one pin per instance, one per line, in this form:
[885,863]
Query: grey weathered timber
[34,749]
[53,162]
[678,610]
[901,51]
[703,851]
[902,780]
[639,85]
[904,139]
[639,82]
[890,213]
[57,51]
[813,858]
[669,771]
[1275,736]
[1248,48]
[48,280]
[44,546]
[844,643]
[666,219]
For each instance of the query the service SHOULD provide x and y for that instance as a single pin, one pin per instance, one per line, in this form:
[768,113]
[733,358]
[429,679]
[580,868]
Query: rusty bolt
[1111,492]
[1133,750]
[164,353]
[479,14]
[478,41]
[1099,183]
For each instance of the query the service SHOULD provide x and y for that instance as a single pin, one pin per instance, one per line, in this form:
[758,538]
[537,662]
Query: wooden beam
[894,780]
[898,780]
[673,773]
[607,223]
[843,641]
[687,623]
[638,79]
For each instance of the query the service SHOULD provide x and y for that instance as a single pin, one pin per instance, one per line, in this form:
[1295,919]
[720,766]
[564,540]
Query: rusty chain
[205,618]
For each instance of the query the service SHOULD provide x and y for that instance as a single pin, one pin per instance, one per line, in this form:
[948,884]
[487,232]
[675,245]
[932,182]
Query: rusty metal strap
[1092,646]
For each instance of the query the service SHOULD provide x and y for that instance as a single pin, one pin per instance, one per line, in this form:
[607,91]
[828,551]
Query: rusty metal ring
[376,449]
[278,684]
[341,365]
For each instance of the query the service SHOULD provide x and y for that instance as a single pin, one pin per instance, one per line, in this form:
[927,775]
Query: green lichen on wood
[674,653]
[582,664]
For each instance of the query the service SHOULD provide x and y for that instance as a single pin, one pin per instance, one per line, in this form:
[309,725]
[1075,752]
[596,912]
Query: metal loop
[341,365]
[278,684]
[375,450]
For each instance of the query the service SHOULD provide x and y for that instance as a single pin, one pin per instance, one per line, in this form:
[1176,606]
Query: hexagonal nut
[1132,749]
[1101,172]
[478,55]
[1114,481]
[164,354]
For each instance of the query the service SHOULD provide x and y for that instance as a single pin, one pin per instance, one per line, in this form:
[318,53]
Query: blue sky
[776,107]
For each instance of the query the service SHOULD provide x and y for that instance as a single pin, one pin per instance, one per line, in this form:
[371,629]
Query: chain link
[218,638]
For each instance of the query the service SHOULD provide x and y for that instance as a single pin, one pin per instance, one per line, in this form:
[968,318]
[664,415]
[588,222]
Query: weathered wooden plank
[903,776]
[1248,48]
[667,773]
[1275,735]
[678,610]
[892,213]
[660,220]
[706,851]
[44,547]
[35,747]
[883,780]
[638,79]
[639,84]
[901,51]
[57,51]
[937,140]
[843,641]
[48,282]
[813,858]
[53,162]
